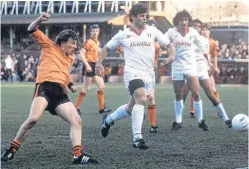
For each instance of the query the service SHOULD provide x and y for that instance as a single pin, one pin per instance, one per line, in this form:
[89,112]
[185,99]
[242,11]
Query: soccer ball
[240,122]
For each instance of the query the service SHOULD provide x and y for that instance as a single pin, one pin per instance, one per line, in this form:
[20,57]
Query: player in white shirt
[184,66]
[139,54]
[9,64]
[203,76]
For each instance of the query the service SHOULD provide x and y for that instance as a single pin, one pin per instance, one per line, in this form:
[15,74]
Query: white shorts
[147,77]
[177,75]
[202,74]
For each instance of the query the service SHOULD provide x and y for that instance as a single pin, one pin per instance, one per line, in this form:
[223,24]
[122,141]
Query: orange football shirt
[212,48]
[54,64]
[92,50]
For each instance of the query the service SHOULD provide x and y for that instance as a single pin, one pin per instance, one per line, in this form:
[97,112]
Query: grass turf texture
[48,146]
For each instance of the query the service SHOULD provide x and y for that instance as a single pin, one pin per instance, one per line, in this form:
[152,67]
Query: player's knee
[215,101]
[101,86]
[178,96]
[209,93]
[151,100]
[196,95]
[77,121]
[141,100]
[32,121]
[101,90]
[85,90]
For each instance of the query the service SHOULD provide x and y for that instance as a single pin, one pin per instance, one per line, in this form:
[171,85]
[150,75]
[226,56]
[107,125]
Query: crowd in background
[22,67]
[238,51]
[225,51]
[18,67]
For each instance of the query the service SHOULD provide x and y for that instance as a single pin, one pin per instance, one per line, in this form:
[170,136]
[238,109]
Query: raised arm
[33,26]
[39,36]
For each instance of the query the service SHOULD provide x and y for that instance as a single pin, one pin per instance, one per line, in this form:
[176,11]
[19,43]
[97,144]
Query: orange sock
[15,145]
[192,109]
[80,99]
[101,99]
[77,150]
[152,115]
[217,94]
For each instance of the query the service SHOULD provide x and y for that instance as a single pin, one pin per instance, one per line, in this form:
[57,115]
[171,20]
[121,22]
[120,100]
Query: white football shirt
[184,48]
[139,50]
[202,63]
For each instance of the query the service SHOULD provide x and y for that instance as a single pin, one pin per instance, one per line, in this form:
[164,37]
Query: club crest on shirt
[192,38]
[149,35]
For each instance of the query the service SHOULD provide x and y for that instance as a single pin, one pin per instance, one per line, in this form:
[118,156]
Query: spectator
[9,64]
[244,54]
[28,74]
[4,73]
[20,66]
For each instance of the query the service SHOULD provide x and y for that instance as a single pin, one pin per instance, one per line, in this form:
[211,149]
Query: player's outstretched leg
[206,85]
[106,126]
[8,154]
[37,108]
[68,113]
[108,120]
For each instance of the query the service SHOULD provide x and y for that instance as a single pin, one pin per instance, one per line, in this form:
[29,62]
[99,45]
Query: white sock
[198,110]
[137,121]
[120,113]
[221,110]
[178,110]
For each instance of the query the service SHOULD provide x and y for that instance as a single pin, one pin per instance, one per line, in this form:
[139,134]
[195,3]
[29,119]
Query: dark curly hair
[65,35]
[182,14]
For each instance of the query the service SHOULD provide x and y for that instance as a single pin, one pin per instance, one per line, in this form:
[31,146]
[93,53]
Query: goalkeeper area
[48,145]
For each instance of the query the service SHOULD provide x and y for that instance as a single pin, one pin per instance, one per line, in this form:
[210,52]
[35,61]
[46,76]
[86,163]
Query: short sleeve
[199,43]
[41,38]
[87,45]
[166,36]
[161,38]
[115,42]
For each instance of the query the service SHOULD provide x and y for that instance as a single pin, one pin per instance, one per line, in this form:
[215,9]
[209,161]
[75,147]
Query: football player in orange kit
[50,93]
[89,55]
